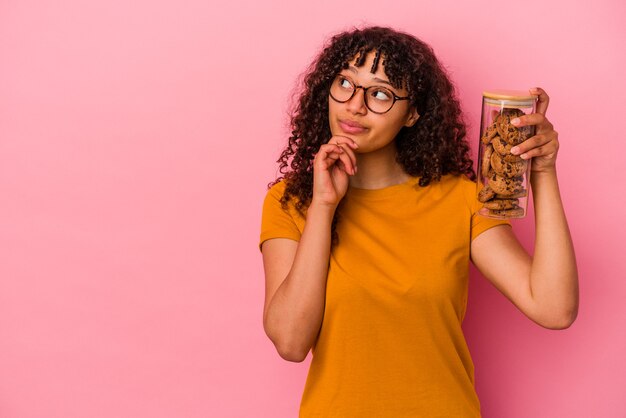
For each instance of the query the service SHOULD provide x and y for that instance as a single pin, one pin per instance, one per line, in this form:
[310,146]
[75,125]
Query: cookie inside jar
[503,181]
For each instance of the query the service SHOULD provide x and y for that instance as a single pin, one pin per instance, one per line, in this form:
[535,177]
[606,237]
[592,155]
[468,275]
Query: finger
[327,152]
[350,153]
[328,162]
[525,148]
[543,99]
[337,152]
[346,144]
[327,149]
[528,120]
[342,166]
[338,139]
[544,150]
[347,162]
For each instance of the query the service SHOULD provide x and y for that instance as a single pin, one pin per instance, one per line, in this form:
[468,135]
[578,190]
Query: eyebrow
[380,80]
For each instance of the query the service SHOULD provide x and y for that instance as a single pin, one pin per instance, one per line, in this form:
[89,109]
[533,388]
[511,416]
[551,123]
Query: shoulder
[455,184]
[278,189]
[457,191]
[458,180]
[278,221]
[274,196]
[276,192]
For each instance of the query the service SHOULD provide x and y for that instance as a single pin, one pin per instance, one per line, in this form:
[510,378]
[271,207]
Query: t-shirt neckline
[384,192]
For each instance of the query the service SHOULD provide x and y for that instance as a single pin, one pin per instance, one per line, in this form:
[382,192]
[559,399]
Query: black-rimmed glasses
[377,99]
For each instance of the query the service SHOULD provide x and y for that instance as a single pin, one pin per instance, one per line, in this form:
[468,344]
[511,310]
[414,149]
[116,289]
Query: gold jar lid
[509,98]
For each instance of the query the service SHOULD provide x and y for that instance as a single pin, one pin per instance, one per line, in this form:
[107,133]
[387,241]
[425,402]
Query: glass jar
[503,178]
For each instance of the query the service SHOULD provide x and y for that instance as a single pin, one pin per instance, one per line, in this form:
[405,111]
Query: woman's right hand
[333,163]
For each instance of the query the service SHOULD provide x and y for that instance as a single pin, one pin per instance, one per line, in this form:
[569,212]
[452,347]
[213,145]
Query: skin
[365,160]
[544,287]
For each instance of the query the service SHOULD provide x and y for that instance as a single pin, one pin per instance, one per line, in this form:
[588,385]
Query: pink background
[136,141]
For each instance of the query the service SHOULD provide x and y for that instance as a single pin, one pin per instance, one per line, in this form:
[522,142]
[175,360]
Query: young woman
[367,239]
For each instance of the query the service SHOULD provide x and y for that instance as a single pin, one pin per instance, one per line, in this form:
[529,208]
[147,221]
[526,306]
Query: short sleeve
[481,223]
[277,222]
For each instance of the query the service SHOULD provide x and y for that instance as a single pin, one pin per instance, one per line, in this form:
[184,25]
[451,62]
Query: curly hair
[434,146]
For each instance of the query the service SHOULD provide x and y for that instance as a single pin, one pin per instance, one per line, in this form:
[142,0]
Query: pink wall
[136,140]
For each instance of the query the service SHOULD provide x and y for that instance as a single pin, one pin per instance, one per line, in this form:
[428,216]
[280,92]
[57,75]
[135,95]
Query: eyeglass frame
[365,89]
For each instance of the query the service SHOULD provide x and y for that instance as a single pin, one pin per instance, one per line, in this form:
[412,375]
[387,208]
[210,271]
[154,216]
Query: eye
[381,94]
[344,82]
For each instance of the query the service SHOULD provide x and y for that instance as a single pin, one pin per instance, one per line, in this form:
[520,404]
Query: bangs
[381,58]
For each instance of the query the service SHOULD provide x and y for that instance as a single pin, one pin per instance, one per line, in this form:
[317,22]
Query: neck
[378,169]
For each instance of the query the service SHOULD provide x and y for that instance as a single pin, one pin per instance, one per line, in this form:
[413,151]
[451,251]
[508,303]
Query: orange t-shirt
[391,343]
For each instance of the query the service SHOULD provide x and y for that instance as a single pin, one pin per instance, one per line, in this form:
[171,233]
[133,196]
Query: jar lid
[519,97]
[509,95]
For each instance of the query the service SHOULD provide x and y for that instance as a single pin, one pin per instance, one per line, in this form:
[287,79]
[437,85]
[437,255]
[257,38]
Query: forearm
[295,313]
[554,276]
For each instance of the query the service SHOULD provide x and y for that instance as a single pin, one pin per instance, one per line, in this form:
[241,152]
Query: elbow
[290,354]
[569,319]
[555,326]
[558,316]
[288,350]
[570,316]
[563,322]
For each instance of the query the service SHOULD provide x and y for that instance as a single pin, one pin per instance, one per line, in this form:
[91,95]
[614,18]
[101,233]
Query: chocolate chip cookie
[506,168]
[501,175]
[508,132]
[506,186]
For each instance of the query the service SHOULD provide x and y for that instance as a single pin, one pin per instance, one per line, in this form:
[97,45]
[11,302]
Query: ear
[412,117]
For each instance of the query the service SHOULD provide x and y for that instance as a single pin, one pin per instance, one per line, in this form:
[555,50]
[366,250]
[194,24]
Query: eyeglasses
[377,99]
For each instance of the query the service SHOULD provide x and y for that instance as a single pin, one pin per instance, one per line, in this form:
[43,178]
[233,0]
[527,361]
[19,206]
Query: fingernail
[524,156]
[356,169]
[515,150]
[355,144]
[515,121]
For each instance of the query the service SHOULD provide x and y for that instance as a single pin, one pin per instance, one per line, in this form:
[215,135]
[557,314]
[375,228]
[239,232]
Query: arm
[296,285]
[544,287]
[296,272]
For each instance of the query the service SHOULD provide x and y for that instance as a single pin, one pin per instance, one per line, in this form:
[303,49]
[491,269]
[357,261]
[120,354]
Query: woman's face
[373,131]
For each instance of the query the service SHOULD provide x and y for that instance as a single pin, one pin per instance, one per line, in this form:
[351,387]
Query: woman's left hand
[544,146]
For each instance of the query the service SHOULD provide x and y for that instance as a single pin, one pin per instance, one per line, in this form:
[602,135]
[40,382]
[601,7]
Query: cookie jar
[503,178]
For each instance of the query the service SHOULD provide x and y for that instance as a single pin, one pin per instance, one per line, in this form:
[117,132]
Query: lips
[351,127]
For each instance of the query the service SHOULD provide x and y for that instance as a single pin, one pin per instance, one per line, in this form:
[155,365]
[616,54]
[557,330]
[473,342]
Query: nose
[357,103]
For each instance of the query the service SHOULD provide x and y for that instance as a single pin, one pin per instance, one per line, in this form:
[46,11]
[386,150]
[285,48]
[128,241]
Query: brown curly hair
[432,147]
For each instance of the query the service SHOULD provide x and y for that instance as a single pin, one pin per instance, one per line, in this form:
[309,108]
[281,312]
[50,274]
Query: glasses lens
[379,99]
[341,89]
